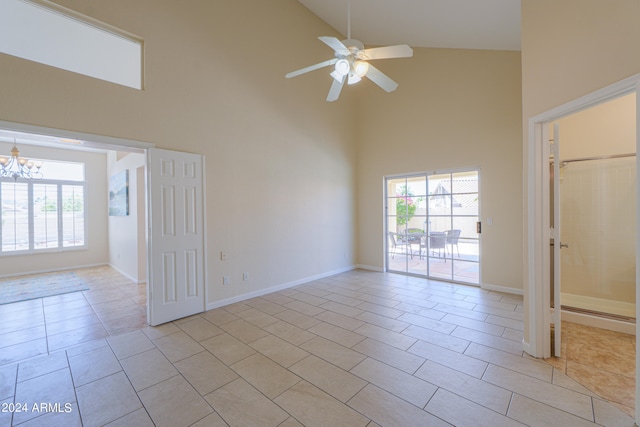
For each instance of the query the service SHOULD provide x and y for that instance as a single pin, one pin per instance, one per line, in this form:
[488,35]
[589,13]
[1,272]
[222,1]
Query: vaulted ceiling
[466,24]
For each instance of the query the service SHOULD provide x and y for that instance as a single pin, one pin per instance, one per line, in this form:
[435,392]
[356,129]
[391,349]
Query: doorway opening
[432,225]
[174,226]
[540,316]
[113,299]
[98,231]
[593,223]
[597,169]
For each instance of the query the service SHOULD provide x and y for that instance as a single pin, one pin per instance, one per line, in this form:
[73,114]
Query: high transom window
[44,32]
[45,214]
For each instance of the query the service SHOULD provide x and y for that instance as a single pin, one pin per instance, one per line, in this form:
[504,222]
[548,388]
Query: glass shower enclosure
[598,216]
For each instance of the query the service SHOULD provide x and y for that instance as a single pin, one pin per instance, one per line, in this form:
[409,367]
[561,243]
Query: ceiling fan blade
[381,79]
[336,88]
[399,51]
[312,67]
[335,44]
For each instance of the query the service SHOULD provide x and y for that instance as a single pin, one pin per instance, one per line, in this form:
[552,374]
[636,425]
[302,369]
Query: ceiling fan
[351,64]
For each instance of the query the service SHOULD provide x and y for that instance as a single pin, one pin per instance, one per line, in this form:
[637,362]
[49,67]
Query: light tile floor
[603,361]
[356,349]
[462,268]
[112,305]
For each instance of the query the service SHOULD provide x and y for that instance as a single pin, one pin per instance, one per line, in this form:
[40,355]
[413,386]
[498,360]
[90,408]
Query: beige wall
[571,48]
[454,109]
[280,161]
[124,233]
[604,130]
[96,204]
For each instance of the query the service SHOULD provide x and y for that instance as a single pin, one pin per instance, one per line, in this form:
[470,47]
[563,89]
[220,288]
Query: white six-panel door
[175,235]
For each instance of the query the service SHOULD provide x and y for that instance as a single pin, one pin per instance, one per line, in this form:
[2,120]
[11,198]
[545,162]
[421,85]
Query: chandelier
[18,167]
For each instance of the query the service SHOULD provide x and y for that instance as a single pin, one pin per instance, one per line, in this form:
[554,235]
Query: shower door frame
[618,310]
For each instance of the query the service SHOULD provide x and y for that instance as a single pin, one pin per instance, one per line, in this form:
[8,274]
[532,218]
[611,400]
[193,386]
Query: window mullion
[31,220]
[60,232]
[1,220]
[85,220]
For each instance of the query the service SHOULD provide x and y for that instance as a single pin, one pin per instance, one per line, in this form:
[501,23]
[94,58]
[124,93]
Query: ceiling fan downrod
[349,19]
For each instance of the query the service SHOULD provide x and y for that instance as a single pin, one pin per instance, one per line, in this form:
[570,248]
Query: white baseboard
[620,308]
[53,270]
[128,276]
[503,289]
[599,322]
[526,347]
[370,268]
[276,288]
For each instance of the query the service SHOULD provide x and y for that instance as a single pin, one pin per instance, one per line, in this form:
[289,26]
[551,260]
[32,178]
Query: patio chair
[416,236]
[452,239]
[438,240]
[397,240]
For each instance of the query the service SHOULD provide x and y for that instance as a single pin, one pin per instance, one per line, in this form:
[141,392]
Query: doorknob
[564,245]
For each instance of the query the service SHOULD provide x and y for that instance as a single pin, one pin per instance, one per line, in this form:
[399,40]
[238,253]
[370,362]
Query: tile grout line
[46,331]
[73,383]
[347,288]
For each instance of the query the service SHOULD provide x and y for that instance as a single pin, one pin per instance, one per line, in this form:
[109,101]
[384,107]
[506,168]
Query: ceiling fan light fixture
[342,67]
[336,76]
[350,62]
[361,68]
[353,79]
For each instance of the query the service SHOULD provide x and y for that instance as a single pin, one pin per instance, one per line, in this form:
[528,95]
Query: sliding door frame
[387,239]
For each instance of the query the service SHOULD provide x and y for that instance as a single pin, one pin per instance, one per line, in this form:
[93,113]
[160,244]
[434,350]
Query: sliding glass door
[432,225]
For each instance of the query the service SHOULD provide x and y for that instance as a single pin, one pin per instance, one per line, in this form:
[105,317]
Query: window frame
[389,212]
[60,205]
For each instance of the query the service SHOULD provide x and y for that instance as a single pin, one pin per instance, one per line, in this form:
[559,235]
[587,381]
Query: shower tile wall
[597,202]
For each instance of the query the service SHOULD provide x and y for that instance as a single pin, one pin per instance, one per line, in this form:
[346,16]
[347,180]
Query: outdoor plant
[405,206]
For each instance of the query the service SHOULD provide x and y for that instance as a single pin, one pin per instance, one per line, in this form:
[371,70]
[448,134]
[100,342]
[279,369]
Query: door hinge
[479,227]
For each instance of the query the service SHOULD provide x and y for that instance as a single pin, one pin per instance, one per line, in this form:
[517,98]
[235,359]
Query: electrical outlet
[245,276]
[223,255]
[226,280]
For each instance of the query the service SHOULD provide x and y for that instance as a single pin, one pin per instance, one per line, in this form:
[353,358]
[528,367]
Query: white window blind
[46,214]
[15,216]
